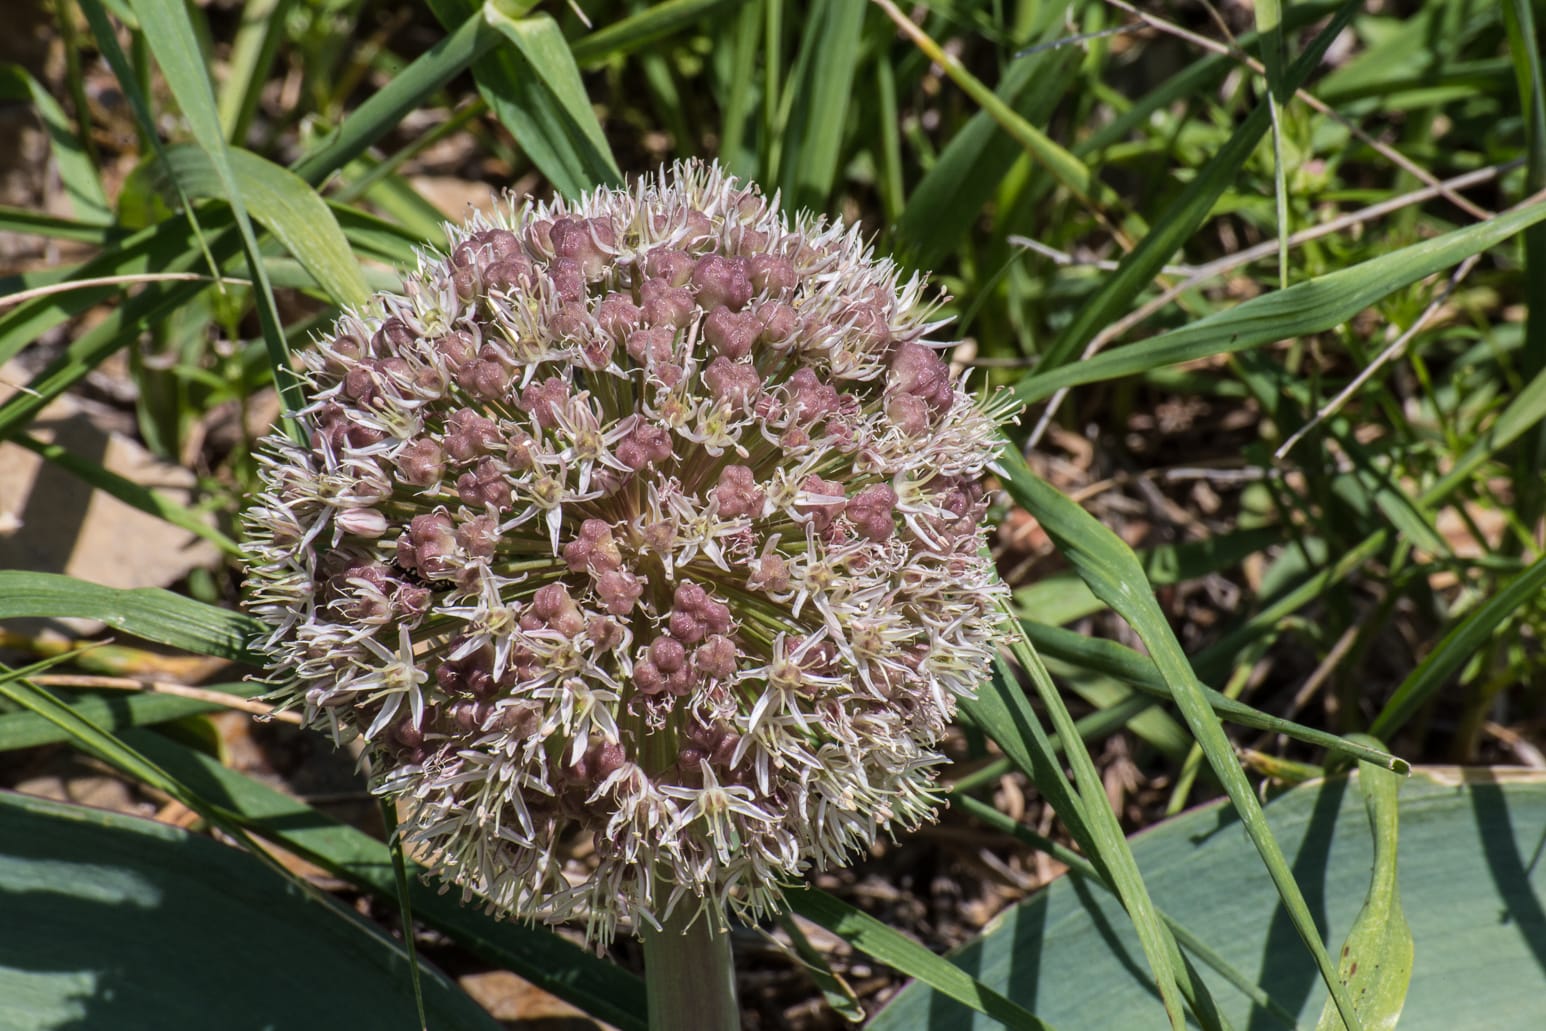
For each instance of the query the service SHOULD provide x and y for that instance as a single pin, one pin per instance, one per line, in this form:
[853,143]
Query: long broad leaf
[136,925]
[1111,570]
[602,989]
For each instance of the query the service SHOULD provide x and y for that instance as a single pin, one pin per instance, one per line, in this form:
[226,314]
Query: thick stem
[689,975]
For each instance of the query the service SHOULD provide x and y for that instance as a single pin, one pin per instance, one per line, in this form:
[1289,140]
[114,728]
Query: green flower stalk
[654,518]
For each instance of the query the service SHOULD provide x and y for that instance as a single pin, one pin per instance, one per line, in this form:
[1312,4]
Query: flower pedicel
[654,517]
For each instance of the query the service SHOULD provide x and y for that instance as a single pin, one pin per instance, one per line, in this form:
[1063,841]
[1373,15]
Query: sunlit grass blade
[385,109]
[1113,573]
[533,86]
[1078,866]
[952,192]
[1067,169]
[252,55]
[1107,840]
[287,207]
[1304,308]
[169,33]
[1457,647]
[146,499]
[1181,219]
[875,939]
[53,227]
[643,28]
[819,92]
[76,172]
[149,612]
[1137,670]
[114,712]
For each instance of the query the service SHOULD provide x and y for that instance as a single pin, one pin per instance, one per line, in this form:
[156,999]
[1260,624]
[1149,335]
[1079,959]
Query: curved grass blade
[1182,218]
[1107,840]
[819,89]
[1138,671]
[1078,866]
[894,949]
[114,712]
[76,172]
[1457,647]
[533,86]
[146,499]
[639,30]
[1114,574]
[148,612]
[287,207]
[169,33]
[1304,308]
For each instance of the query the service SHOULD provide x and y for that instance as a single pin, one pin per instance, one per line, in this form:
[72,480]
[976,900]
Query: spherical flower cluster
[655,518]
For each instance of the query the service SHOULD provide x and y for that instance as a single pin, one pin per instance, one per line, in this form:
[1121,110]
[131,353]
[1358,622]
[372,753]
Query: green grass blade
[1457,647]
[821,89]
[252,55]
[1182,218]
[950,196]
[114,712]
[894,949]
[287,207]
[385,109]
[1131,668]
[533,86]
[144,498]
[1080,867]
[1304,308]
[148,612]
[643,29]
[169,33]
[1109,842]
[76,172]
[54,227]
[1114,574]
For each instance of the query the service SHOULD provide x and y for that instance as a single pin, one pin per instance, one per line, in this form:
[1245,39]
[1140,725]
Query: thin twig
[1066,260]
[198,694]
[86,284]
[1397,346]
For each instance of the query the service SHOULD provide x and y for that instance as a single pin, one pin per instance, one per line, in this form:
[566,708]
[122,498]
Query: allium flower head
[655,518]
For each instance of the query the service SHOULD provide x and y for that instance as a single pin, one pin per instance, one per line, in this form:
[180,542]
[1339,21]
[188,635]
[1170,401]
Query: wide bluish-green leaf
[133,924]
[558,966]
[1471,883]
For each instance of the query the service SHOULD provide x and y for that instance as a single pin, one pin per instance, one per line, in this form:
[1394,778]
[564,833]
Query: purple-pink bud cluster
[656,517]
